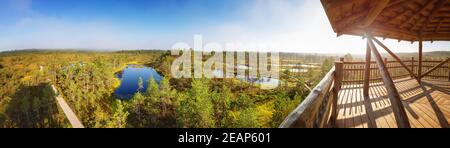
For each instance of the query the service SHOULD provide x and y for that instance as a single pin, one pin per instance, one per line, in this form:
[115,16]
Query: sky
[282,25]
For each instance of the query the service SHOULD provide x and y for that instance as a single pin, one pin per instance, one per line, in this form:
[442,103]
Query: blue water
[129,78]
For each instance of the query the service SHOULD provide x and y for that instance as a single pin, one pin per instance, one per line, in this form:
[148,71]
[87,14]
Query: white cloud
[298,27]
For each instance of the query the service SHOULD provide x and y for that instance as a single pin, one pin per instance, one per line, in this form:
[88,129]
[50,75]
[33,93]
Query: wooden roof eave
[406,19]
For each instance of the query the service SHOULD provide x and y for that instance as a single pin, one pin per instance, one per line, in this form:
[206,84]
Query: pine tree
[196,111]
[168,103]
[152,90]
[138,109]
[140,84]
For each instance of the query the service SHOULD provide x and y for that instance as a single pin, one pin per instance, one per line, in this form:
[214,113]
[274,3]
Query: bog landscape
[307,64]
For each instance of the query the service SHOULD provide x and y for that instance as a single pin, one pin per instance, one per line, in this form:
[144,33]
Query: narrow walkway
[73,119]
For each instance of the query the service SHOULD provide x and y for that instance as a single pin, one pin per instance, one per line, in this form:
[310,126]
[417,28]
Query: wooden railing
[354,71]
[320,107]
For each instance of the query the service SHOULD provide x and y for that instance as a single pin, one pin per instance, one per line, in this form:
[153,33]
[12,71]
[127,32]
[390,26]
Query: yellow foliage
[264,115]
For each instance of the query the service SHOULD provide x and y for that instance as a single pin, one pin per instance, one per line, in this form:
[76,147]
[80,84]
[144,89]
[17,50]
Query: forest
[86,80]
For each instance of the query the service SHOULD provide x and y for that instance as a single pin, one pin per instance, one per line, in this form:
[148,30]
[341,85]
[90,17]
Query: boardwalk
[67,110]
[427,105]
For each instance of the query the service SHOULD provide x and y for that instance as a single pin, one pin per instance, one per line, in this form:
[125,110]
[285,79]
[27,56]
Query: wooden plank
[398,109]
[414,122]
[431,16]
[348,110]
[354,110]
[341,113]
[423,113]
[428,111]
[390,118]
[424,121]
[361,111]
[379,112]
[424,8]
[369,109]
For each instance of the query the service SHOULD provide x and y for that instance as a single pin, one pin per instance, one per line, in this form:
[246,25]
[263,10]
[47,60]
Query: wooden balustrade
[315,110]
[354,71]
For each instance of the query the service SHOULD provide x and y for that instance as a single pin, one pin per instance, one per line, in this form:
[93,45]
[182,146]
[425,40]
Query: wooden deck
[427,105]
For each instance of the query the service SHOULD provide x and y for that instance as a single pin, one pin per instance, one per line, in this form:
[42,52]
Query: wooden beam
[398,16]
[394,97]
[340,3]
[396,58]
[430,17]
[334,6]
[419,68]
[430,3]
[390,28]
[367,70]
[397,4]
[343,23]
[415,24]
[436,36]
[438,27]
[374,12]
[435,67]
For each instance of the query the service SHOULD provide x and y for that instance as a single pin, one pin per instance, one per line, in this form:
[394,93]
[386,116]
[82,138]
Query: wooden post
[338,75]
[448,71]
[394,97]
[419,72]
[412,65]
[367,71]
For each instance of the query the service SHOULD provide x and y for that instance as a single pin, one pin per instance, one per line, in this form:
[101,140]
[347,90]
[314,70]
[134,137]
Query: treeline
[87,82]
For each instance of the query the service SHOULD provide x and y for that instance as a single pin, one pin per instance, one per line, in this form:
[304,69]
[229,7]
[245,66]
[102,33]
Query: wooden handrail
[435,67]
[314,111]
[354,71]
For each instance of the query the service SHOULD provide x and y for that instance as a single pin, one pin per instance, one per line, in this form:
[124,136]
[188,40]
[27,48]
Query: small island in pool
[129,78]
